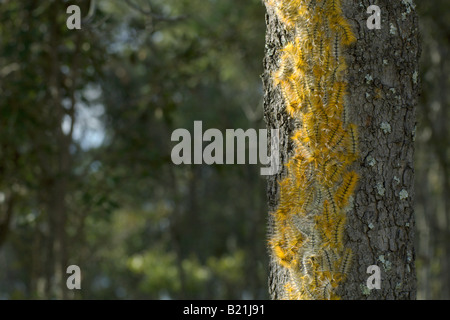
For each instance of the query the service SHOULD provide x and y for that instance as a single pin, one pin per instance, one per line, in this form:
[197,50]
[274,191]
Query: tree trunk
[381,80]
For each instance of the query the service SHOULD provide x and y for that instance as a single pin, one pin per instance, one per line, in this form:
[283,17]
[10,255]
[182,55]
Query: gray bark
[383,86]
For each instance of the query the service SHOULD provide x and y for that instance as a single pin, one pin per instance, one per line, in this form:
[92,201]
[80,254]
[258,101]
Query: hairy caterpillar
[308,235]
[328,260]
[337,232]
[334,7]
[345,262]
[353,141]
[346,189]
[331,201]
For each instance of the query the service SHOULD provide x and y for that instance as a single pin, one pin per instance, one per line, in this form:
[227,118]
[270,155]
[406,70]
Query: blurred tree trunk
[432,156]
[440,141]
[383,86]
[57,184]
[5,218]
[59,163]
[434,198]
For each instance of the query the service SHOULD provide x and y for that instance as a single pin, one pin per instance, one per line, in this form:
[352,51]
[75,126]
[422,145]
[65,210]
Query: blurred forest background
[86,177]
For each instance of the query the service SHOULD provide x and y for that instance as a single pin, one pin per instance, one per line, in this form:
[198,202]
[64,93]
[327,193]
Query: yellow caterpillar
[309,223]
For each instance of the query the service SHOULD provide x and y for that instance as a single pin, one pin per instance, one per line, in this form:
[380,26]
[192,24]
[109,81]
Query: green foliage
[104,190]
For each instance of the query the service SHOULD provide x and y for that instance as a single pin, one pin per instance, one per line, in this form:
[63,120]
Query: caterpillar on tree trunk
[307,238]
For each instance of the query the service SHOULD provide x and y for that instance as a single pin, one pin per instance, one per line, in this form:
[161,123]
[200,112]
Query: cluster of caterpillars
[309,222]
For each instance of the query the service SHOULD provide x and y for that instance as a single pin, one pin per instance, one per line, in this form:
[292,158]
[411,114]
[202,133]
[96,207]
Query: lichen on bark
[383,89]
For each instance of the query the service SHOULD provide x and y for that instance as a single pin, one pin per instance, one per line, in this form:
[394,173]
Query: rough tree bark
[383,91]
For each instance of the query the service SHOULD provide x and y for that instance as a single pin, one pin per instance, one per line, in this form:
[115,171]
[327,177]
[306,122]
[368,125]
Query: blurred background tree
[86,177]
[433,154]
[86,174]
